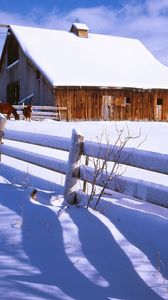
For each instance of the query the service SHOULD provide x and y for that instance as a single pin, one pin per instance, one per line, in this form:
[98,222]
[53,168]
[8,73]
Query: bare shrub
[108,168]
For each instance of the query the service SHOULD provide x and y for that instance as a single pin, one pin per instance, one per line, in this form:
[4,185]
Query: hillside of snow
[50,252]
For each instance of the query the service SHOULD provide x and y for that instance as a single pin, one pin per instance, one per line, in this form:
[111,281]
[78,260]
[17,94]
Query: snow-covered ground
[118,252]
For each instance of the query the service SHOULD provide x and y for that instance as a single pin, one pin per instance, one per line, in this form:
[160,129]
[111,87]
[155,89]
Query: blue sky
[63,5]
[146,20]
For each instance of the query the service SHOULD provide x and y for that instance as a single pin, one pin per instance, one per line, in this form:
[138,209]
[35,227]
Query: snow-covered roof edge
[113,84]
[81,26]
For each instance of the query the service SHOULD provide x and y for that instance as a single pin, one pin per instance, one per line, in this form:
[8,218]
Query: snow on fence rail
[74,169]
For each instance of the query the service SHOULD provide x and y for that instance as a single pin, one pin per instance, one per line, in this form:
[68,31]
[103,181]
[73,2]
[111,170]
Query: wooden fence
[45,112]
[75,170]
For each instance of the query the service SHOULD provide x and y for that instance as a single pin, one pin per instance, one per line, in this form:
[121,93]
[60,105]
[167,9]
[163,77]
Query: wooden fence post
[85,183]
[2,127]
[73,167]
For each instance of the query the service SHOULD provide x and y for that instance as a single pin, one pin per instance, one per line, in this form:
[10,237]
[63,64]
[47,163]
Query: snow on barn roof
[81,26]
[99,60]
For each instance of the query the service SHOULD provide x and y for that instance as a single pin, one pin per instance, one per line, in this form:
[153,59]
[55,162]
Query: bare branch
[101,166]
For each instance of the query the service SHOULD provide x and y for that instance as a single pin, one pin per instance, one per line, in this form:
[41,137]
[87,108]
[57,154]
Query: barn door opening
[13,92]
[159,109]
[107,108]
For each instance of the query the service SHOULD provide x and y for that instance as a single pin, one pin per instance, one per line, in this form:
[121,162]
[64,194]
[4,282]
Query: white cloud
[147,22]
[13,18]
[157,7]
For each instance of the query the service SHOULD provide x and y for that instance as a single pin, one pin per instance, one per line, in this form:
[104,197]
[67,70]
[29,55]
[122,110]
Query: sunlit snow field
[50,252]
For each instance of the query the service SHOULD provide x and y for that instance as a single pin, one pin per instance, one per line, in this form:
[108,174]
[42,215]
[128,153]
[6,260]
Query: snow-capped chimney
[80,29]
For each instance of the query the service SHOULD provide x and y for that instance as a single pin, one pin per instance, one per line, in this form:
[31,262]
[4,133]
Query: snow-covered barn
[97,77]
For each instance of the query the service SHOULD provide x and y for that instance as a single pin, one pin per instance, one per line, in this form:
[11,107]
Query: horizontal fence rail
[44,140]
[39,160]
[75,168]
[142,159]
[43,112]
[141,189]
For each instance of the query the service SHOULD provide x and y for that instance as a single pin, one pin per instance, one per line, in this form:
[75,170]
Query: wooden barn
[97,77]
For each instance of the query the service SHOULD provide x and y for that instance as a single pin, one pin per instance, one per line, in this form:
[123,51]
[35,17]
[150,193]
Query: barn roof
[99,60]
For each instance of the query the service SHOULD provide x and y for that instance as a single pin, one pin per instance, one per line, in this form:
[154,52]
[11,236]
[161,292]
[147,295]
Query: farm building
[97,77]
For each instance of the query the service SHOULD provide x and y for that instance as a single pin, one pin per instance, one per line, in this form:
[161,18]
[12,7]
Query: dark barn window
[12,50]
[13,90]
[127,100]
[38,74]
[159,101]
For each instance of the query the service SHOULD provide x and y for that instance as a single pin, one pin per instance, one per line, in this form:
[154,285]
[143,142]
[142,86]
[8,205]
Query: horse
[27,112]
[8,109]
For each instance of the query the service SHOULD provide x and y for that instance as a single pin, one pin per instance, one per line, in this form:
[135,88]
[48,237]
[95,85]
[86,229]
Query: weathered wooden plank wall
[123,104]
[29,78]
